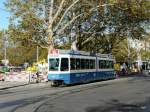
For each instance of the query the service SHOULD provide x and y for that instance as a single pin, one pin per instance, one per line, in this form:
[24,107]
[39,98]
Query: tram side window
[92,64]
[83,64]
[101,64]
[78,64]
[87,63]
[111,64]
[107,64]
[73,63]
[64,64]
[104,64]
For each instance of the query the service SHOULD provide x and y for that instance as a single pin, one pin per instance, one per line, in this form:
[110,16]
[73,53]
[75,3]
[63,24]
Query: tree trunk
[50,49]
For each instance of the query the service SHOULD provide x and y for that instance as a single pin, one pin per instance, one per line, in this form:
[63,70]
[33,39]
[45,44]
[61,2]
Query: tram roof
[84,53]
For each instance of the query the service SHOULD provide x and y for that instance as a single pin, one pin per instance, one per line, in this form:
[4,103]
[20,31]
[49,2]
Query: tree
[123,52]
[115,21]
[98,22]
[45,21]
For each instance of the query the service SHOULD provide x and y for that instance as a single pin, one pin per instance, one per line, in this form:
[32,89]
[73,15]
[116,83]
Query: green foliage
[19,49]
[115,21]
[111,21]
[36,24]
[21,54]
[145,55]
[122,51]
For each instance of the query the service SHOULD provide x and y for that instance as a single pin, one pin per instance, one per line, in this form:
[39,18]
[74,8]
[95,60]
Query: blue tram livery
[71,67]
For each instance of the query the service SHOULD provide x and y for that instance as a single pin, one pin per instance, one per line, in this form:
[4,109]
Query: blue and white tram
[71,67]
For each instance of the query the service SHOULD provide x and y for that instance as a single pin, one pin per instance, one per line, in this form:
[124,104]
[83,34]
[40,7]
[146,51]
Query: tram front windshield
[53,64]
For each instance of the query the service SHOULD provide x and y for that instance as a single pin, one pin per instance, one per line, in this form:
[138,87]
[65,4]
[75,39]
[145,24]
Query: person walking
[38,77]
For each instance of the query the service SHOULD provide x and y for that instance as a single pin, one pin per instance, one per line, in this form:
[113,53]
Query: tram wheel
[56,83]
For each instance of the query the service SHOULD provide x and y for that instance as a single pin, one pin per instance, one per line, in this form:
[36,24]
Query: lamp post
[5,48]
[5,61]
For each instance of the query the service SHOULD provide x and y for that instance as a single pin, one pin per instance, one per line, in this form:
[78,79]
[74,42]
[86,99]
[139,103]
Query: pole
[5,51]
[5,47]
[29,77]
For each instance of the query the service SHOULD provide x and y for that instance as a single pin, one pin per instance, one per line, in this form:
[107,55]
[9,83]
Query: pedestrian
[37,74]
[123,69]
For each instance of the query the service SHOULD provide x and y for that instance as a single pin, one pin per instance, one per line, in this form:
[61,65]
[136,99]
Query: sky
[4,20]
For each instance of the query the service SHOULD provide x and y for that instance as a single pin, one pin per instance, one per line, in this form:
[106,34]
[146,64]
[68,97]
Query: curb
[19,85]
[13,86]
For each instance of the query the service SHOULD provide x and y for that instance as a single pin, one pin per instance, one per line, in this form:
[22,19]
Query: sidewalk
[12,84]
[6,85]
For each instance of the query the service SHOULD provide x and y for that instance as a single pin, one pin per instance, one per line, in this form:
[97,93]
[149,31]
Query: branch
[58,11]
[51,12]
[71,7]
[66,13]
[5,10]
[51,9]
[39,44]
[101,6]
[89,37]
[87,40]
[43,46]
[70,22]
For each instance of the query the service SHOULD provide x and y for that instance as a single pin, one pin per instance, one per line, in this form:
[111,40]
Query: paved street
[129,96]
[121,95]
[7,85]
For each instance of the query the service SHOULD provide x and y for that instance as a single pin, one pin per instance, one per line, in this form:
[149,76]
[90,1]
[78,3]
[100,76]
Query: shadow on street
[117,106]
